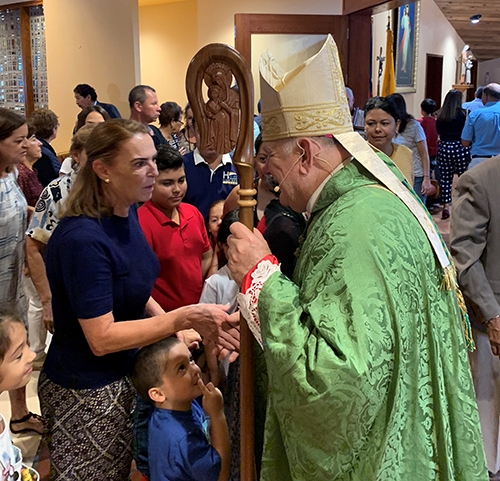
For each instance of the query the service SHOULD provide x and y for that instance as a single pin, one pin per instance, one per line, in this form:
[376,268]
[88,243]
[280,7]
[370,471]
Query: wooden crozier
[224,121]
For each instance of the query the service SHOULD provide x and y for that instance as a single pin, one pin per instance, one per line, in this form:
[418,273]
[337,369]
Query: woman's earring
[107,181]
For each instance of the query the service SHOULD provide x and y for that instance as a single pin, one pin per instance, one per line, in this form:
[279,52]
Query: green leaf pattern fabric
[368,371]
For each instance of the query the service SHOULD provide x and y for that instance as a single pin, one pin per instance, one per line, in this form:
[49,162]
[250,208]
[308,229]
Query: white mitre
[310,101]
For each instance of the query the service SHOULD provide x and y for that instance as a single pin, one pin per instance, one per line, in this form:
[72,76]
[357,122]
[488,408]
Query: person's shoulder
[80,229]
[155,129]
[145,210]
[8,180]
[161,422]
[22,169]
[176,423]
[486,169]
[480,112]
[414,124]
[52,191]
[401,150]
[190,211]
[362,209]
[62,180]
[110,109]
[48,150]
[220,278]
[188,158]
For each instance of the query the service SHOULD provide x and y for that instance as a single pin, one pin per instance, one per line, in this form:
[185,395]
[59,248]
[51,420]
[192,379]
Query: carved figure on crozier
[222,108]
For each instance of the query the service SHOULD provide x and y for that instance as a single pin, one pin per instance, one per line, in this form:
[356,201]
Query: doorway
[434,78]
[354,49]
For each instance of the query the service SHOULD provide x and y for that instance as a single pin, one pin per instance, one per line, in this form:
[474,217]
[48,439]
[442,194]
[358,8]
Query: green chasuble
[368,371]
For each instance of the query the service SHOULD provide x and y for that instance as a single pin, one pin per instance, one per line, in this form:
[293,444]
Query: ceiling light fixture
[475,18]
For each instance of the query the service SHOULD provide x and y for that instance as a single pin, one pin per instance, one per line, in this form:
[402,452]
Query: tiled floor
[443,225]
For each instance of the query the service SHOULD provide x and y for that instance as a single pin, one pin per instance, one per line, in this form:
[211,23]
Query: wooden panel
[354,48]
[26,59]
[249,24]
[358,78]
[483,38]
[31,3]
[370,7]
[352,6]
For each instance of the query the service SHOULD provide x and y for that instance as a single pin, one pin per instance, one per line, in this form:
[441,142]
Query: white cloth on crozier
[248,301]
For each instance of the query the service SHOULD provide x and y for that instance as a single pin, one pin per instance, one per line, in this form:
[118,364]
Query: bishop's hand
[246,249]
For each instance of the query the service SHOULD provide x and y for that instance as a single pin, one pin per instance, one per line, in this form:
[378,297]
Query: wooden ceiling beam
[483,37]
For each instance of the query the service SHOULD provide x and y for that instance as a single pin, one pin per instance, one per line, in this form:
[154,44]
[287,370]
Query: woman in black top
[452,157]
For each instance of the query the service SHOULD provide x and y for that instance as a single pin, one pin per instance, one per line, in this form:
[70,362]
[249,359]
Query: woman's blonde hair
[104,143]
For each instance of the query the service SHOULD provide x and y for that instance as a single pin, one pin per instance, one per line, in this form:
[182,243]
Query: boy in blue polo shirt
[210,176]
[180,448]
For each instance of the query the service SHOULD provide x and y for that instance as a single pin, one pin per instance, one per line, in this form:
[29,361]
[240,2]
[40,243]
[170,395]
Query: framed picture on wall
[406,19]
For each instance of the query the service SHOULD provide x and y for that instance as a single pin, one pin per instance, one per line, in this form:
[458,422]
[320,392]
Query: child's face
[170,188]
[17,365]
[180,379]
[215,218]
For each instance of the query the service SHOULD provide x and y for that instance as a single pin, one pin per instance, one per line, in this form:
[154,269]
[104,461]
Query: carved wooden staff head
[225,120]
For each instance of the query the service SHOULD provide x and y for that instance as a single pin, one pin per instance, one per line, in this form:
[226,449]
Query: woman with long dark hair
[412,135]
[171,123]
[452,156]
[13,222]
[186,136]
[381,125]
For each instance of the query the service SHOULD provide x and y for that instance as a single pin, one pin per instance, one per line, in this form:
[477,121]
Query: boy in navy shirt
[180,448]
[210,176]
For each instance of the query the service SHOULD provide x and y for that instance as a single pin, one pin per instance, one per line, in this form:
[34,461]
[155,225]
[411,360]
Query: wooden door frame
[286,24]
[354,50]
[370,7]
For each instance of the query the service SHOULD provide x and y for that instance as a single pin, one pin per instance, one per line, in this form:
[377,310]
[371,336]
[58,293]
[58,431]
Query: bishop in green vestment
[365,348]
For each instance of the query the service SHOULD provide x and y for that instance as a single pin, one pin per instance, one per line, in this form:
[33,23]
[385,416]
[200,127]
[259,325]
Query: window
[23,67]
[38,58]
[11,68]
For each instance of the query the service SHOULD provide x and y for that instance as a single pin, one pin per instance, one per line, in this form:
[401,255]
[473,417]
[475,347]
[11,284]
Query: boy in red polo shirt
[176,232]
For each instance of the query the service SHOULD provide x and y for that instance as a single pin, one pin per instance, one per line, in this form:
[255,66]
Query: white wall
[172,33]
[436,36]
[303,46]
[491,66]
[94,42]
[167,47]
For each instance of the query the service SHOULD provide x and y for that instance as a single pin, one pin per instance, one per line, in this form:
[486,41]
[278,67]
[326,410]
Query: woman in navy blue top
[101,272]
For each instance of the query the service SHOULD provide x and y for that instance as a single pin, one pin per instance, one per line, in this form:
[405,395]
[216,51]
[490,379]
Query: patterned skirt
[90,430]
